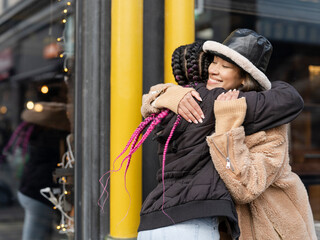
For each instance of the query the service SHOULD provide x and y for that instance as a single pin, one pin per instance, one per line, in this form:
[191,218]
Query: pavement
[11,223]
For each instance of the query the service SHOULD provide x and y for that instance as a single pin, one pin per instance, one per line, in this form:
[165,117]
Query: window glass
[36,119]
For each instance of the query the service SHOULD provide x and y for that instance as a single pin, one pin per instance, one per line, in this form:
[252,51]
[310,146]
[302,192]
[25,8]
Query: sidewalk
[11,224]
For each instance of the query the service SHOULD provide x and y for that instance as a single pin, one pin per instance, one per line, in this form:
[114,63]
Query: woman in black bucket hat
[255,168]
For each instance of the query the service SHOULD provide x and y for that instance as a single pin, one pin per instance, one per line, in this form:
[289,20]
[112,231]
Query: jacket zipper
[251,223]
[229,165]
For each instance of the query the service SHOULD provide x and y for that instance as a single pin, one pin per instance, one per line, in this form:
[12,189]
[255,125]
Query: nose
[213,68]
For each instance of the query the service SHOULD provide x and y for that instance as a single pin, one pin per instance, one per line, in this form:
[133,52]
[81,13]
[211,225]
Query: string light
[58,199]
[44,89]
[30,105]
[38,107]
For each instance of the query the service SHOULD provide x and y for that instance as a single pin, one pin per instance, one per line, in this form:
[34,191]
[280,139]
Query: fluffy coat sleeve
[256,160]
[165,95]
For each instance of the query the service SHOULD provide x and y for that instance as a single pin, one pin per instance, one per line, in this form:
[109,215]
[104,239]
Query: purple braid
[134,137]
[14,135]
[26,139]
[136,134]
[156,119]
[164,162]
[134,148]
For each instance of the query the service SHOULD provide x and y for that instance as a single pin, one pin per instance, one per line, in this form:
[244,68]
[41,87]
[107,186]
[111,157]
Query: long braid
[133,138]
[156,119]
[193,63]
[205,60]
[178,65]
[164,162]
[14,135]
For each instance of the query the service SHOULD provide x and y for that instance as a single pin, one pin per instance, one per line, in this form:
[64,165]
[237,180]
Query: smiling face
[224,74]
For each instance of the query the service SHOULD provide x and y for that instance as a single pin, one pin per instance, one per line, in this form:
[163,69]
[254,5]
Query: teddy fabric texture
[271,200]
[154,101]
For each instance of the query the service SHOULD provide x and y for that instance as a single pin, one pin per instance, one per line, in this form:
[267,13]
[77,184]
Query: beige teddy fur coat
[271,201]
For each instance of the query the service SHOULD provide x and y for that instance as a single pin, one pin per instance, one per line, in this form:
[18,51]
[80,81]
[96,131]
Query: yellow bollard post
[179,30]
[126,92]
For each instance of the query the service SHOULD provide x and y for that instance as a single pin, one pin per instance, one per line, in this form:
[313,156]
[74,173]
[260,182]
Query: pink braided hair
[155,120]
[164,161]
[20,137]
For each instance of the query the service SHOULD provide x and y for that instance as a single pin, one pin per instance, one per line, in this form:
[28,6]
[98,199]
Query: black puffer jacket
[193,188]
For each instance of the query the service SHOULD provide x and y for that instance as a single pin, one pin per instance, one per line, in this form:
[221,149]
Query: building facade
[99,57]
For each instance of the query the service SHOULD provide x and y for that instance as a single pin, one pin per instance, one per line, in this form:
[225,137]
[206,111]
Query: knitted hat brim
[241,61]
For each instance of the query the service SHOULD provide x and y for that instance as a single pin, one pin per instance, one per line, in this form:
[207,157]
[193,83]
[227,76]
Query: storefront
[89,53]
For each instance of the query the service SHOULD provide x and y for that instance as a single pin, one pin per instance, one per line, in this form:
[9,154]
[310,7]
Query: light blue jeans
[38,219]
[195,229]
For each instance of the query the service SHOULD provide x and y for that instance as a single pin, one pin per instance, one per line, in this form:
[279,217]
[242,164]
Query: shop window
[36,114]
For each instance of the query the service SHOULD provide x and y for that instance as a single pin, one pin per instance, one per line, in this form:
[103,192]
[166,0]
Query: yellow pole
[126,92]
[179,30]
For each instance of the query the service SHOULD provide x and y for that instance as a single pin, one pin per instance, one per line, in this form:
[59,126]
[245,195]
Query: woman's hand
[189,109]
[230,95]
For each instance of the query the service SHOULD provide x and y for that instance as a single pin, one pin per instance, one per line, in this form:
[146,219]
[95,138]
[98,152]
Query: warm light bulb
[65,192]
[3,109]
[64,229]
[62,225]
[30,105]
[66,69]
[38,107]
[54,207]
[68,3]
[58,39]
[65,11]
[44,89]
[58,227]
[64,20]
[61,55]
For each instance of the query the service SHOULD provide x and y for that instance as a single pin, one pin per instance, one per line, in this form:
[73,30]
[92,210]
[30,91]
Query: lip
[214,80]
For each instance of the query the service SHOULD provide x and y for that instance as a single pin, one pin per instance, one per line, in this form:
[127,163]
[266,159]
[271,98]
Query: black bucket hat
[249,50]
